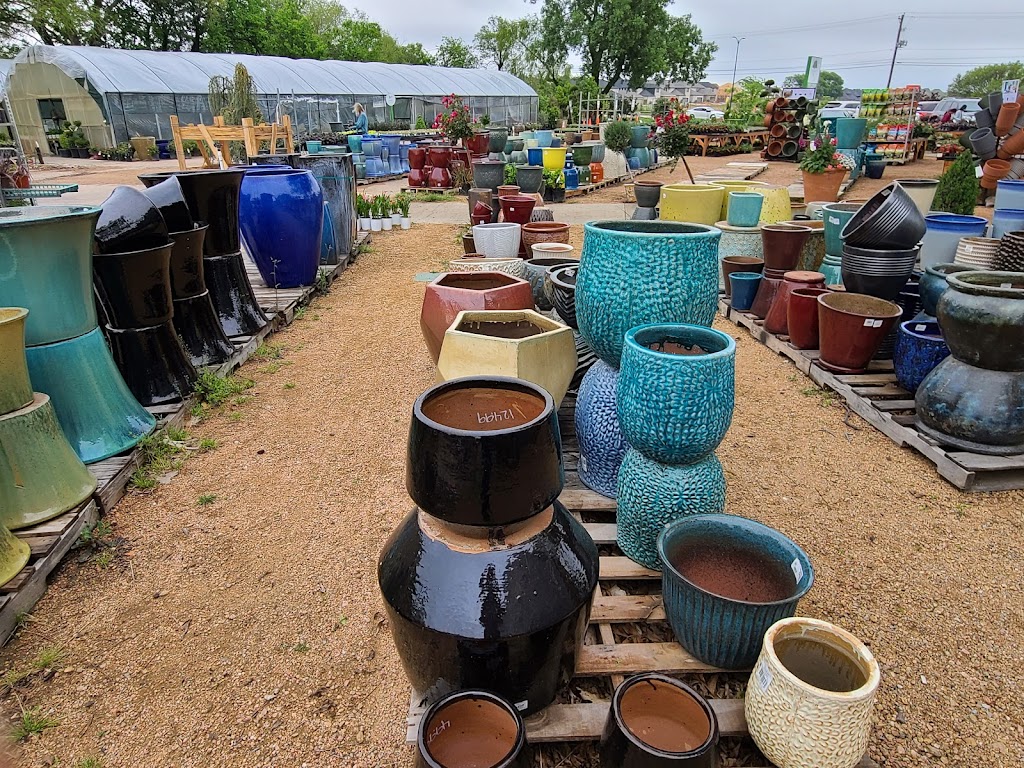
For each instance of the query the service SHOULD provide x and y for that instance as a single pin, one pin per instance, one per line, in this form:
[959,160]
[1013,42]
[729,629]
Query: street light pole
[735,62]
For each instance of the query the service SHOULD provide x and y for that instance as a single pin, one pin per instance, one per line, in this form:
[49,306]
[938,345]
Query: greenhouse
[118,94]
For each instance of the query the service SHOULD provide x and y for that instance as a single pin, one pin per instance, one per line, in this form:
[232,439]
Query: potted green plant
[672,138]
[403,200]
[958,187]
[823,170]
[384,202]
[363,213]
[152,151]
[617,137]
[376,222]
[554,186]
[396,213]
[455,121]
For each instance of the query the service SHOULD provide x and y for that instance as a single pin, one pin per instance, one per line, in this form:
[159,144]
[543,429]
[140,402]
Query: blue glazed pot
[638,136]
[676,408]
[919,348]
[943,232]
[652,495]
[1006,220]
[744,289]
[933,284]
[355,143]
[371,146]
[281,215]
[544,138]
[535,156]
[637,272]
[744,209]
[1010,194]
[725,631]
[95,408]
[602,445]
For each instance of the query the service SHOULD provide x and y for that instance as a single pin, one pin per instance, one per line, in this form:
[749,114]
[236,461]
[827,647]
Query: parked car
[834,109]
[953,102]
[925,108]
[705,113]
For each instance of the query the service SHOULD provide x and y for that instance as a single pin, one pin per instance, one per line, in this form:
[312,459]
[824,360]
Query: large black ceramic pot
[484,451]
[195,319]
[153,362]
[974,399]
[472,729]
[655,721]
[129,221]
[134,288]
[168,197]
[212,196]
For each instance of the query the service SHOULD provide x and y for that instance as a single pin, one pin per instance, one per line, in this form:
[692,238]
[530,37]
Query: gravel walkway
[248,631]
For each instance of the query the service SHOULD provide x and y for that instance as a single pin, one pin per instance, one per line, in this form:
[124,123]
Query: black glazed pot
[135,287]
[656,721]
[187,263]
[129,221]
[153,363]
[563,285]
[888,221]
[472,728]
[484,451]
[232,295]
[212,196]
[198,328]
[168,198]
[502,609]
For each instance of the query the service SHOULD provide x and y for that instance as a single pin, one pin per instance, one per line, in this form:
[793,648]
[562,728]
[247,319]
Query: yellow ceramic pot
[694,203]
[554,158]
[737,185]
[777,206]
[519,343]
[15,389]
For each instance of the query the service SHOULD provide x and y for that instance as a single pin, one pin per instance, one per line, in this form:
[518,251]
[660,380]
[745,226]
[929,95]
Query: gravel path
[249,631]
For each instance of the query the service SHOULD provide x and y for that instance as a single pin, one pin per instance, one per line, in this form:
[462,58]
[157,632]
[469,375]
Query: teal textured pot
[637,272]
[46,267]
[850,132]
[94,406]
[745,208]
[652,495]
[638,136]
[731,554]
[597,153]
[835,216]
[676,391]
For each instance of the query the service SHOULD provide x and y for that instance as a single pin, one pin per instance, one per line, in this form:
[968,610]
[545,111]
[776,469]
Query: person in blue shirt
[362,124]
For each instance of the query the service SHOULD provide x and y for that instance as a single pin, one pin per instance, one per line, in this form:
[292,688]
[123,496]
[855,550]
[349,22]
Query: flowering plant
[822,157]
[672,133]
[455,122]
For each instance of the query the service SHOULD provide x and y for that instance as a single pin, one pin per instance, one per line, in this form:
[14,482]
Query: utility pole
[899,44]
[735,61]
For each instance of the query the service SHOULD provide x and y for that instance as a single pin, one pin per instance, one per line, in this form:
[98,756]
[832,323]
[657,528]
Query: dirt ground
[247,629]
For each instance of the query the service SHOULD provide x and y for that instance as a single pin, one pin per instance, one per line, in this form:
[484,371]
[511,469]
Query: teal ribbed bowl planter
[652,495]
[96,410]
[676,408]
[720,630]
[46,267]
[637,272]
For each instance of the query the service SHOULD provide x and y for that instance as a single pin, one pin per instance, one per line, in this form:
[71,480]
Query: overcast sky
[944,37]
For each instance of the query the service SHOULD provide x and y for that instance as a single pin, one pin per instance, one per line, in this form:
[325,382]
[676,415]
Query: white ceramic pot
[375,225]
[406,222]
[497,241]
[396,219]
[364,223]
[793,716]
[385,223]
[514,266]
[549,250]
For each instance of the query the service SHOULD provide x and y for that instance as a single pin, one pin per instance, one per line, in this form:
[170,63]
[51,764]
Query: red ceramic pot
[517,209]
[783,245]
[507,189]
[851,328]
[477,144]
[417,158]
[417,177]
[453,292]
[766,291]
[777,319]
[732,264]
[439,156]
[440,178]
[596,173]
[802,317]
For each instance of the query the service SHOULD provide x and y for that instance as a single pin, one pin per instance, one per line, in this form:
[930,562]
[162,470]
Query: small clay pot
[777,319]
[851,328]
[1008,114]
[544,232]
[472,728]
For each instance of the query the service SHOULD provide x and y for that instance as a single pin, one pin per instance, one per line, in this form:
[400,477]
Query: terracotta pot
[814,247]
[544,232]
[472,728]
[1008,114]
[732,264]
[823,186]
[778,131]
[478,143]
[774,148]
[802,317]
[768,120]
[777,319]
[1011,145]
[993,171]
[783,245]
[454,292]
[851,329]
[507,189]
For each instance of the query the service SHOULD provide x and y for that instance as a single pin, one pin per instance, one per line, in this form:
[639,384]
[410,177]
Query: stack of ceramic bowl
[977,252]
[1011,252]
[835,216]
[875,272]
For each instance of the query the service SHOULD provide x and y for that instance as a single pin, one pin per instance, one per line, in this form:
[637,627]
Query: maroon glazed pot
[732,264]
[766,291]
[851,328]
[783,245]
[802,317]
[517,208]
[777,319]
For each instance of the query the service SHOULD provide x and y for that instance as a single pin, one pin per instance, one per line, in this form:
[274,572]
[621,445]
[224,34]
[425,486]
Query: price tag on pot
[522,705]
[871,323]
[1006,285]
[798,570]
[763,675]
[920,327]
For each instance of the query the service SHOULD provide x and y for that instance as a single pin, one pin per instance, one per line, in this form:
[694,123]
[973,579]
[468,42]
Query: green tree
[546,48]
[747,103]
[981,80]
[830,85]
[502,42]
[275,28]
[453,52]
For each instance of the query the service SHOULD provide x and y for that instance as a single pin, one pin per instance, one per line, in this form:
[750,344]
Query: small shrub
[958,187]
[215,390]
[32,721]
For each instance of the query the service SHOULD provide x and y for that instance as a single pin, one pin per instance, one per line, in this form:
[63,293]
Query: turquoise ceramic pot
[725,631]
[638,136]
[597,154]
[652,495]
[835,216]
[544,138]
[46,267]
[637,272]
[745,208]
[602,445]
[850,132]
[676,408]
[95,408]
[355,143]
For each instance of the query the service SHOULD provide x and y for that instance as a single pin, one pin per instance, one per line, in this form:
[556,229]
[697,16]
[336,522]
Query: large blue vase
[602,445]
[919,348]
[281,214]
[637,272]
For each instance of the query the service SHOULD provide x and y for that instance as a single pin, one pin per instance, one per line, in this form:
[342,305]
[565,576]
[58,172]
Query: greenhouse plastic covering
[5,69]
[138,90]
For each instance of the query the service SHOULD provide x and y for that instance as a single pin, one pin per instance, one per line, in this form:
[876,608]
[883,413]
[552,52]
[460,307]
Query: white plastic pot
[386,223]
[396,219]
[364,223]
[375,225]
[406,222]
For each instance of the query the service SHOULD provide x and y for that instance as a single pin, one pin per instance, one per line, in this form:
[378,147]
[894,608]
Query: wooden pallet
[731,172]
[879,400]
[586,189]
[378,179]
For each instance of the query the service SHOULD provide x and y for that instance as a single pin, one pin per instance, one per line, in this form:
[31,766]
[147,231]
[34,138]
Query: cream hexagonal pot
[519,343]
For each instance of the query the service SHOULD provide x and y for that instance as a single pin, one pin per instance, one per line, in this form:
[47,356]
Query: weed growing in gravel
[214,390]
[93,535]
[322,284]
[300,312]
[206,498]
[207,444]
[90,762]
[825,397]
[269,351]
[158,453]
[275,366]
[49,656]
[105,558]
[32,721]
[236,416]
[289,385]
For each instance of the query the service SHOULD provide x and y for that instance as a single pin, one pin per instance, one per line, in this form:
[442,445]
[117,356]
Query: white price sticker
[798,570]
[764,676]
[1006,285]
[522,705]
[920,327]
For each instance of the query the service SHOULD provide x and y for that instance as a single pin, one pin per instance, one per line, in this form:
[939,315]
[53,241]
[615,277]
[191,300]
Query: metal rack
[907,141]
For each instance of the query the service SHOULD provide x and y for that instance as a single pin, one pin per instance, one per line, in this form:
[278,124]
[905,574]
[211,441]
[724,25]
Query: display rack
[896,108]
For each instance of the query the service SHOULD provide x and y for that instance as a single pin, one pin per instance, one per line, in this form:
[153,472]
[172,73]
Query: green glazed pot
[15,388]
[14,555]
[40,476]
[95,408]
[46,267]
[582,155]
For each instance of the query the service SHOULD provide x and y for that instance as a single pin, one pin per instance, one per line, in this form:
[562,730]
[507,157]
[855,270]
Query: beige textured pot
[519,343]
[792,718]
[476,262]
[15,389]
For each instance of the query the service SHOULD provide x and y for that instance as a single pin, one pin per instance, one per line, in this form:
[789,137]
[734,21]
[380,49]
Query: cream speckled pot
[798,725]
[738,241]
